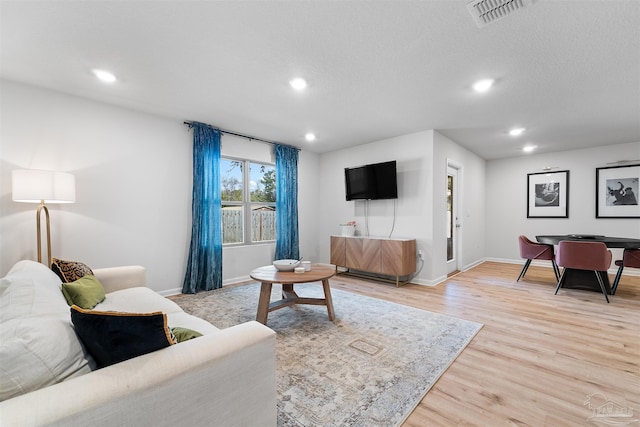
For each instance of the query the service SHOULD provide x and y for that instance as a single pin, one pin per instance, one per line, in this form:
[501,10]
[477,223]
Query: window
[248,201]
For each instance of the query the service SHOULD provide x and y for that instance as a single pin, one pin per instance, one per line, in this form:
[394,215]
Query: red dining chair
[630,258]
[531,250]
[592,256]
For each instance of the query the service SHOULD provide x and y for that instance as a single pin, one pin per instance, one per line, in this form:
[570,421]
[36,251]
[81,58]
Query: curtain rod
[252,138]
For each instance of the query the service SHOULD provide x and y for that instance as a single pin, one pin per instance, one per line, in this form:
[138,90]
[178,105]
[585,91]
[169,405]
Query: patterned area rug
[370,367]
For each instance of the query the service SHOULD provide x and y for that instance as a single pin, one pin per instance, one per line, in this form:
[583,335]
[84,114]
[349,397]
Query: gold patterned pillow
[69,271]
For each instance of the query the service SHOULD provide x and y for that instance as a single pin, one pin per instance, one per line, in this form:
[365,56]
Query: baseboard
[177,291]
[473,264]
[517,261]
[235,280]
[171,292]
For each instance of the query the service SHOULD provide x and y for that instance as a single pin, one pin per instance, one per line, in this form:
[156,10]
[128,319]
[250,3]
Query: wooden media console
[389,257]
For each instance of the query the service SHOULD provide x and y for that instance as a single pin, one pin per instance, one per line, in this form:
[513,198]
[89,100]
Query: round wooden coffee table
[269,275]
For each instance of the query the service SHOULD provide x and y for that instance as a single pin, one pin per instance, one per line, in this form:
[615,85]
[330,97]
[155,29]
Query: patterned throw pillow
[69,271]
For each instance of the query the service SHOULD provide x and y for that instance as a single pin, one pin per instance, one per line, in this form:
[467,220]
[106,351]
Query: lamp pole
[43,207]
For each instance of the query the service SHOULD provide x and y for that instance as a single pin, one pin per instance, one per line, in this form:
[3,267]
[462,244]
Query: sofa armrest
[227,378]
[116,278]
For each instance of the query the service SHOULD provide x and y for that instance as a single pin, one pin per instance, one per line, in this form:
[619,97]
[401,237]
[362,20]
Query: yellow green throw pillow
[184,334]
[86,292]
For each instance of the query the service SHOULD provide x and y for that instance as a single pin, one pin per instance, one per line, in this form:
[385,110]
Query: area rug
[370,367]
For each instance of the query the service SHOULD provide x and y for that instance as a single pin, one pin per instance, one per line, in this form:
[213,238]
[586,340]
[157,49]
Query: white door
[453,222]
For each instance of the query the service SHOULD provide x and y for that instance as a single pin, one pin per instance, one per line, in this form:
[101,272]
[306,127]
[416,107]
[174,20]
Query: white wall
[421,205]
[132,182]
[413,154]
[506,194]
[133,178]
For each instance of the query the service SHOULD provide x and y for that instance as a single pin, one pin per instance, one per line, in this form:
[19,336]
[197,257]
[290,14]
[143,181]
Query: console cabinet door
[338,251]
[398,257]
[363,254]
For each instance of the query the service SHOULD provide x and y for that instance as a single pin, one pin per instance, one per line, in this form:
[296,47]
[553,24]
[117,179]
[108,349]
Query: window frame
[247,205]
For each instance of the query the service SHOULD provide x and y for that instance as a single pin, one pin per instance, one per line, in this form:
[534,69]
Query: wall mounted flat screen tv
[371,182]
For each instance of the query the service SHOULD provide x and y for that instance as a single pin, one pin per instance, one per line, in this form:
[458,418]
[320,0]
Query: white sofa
[224,378]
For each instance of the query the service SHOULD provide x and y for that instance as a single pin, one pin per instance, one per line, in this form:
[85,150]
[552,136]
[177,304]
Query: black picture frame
[617,191]
[548,194]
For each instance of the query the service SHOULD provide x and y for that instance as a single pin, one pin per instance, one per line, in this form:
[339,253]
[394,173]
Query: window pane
[232,220]
[231,180]
[263,223]
[263,183]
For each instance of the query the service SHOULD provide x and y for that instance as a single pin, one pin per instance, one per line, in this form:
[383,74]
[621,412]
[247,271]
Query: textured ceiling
[568,71]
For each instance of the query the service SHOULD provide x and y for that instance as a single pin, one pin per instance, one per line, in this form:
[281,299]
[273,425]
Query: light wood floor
[538,357]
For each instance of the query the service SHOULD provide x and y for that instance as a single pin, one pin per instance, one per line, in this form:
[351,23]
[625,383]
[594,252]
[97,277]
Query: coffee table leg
[263,303]
[327,298]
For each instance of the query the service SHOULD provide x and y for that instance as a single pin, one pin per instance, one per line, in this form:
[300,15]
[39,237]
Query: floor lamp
[40,186]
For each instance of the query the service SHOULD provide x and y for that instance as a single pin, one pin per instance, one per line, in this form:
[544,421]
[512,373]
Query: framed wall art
[617,192]
[548,195]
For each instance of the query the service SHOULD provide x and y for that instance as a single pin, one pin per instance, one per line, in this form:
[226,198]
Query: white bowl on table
[286,264]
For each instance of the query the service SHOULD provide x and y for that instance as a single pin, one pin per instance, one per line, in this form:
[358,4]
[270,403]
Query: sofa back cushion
[38,346]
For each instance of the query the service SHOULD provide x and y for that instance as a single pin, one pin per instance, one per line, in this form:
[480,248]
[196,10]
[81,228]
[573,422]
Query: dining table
[584,279]
[611,242]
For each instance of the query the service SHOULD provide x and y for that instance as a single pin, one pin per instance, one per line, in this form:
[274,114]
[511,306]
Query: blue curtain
[287,245]
[204,267]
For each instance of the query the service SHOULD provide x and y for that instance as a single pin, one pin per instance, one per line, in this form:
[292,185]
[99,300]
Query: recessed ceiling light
[298,83]
[529,148]
[483,85]
[310,137]
[516,131]
[105,76]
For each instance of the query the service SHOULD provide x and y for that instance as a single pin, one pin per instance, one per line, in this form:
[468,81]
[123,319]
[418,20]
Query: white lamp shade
[33,186]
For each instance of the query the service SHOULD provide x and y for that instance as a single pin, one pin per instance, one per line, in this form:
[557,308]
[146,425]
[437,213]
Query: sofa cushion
[185,320]
[137,300]
[69,271]
[111,337]
[85,292]
[145,300]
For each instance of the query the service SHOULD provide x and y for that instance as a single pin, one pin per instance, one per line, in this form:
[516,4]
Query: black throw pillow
[111,337]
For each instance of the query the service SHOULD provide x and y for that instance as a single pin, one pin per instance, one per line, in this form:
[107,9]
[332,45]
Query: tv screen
[371,182]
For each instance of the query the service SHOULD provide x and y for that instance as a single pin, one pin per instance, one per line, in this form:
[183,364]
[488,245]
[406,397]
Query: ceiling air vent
[485,12]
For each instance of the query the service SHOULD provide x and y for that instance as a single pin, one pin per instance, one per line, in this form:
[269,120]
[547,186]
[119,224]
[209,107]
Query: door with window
[453,222]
